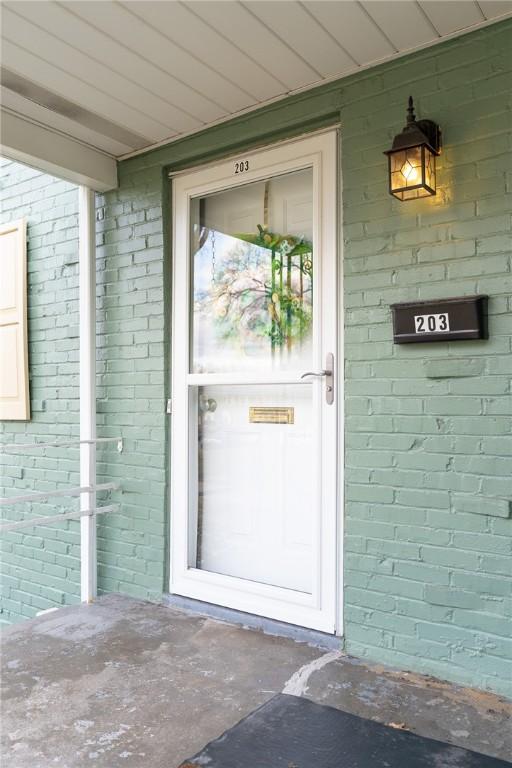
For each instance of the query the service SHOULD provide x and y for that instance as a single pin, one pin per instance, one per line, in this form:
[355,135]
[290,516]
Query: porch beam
[53,152]
[87,291]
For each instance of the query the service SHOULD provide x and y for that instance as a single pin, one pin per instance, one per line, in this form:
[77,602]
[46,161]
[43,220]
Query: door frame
[207,586]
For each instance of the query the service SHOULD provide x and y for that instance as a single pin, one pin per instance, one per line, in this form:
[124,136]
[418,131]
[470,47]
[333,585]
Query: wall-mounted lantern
[412,158]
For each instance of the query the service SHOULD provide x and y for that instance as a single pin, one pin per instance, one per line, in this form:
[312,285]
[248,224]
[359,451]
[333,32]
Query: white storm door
[255,385]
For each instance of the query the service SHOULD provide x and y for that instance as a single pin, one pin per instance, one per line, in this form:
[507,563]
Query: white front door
[255,384]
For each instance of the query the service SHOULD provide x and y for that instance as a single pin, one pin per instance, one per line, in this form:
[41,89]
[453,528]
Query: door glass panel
[252,276]
[252,470]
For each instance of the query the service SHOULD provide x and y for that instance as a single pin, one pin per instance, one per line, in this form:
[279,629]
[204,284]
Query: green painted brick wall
[428,488]
[40,565]
[132,364]
[428,428]
[428,445]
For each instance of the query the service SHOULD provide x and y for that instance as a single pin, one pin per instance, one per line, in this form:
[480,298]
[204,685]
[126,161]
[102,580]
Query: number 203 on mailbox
[452,319]
[432,323]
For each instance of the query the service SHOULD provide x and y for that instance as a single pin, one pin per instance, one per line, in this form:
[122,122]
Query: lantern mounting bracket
[433,133]
[417,132]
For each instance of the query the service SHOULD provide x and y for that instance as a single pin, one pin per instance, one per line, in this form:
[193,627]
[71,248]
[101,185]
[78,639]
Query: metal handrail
[39,496]
[57,518]
[63,443]
[87,492]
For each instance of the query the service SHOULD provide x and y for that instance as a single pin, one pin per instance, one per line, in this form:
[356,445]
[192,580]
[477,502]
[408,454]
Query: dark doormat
[291,732]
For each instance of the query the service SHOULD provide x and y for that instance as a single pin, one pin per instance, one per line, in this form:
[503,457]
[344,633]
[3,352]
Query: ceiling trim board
[326,81]
[70,56]
[61,106]
[33,112]
[40,147]
[71,87]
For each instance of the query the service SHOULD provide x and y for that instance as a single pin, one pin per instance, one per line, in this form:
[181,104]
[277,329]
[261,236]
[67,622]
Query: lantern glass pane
[412,194]
[412,173]
[406,168]
[430,169]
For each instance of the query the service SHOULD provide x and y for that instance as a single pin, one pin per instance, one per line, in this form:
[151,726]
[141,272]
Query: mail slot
[269,415]
[454,319]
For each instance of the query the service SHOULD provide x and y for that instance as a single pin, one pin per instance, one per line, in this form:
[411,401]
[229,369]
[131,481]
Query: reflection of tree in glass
[262,289]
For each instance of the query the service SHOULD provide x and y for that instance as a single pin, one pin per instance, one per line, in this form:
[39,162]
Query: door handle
[315,373]
[328,374]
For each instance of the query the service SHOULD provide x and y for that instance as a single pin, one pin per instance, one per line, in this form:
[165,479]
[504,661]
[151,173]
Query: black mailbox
[463,317]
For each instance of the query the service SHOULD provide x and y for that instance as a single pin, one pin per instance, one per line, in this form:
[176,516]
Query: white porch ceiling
[123,76]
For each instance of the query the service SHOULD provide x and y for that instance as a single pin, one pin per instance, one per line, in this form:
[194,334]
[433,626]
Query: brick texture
[40,566]
[428,484]
[131,345]
[428,428]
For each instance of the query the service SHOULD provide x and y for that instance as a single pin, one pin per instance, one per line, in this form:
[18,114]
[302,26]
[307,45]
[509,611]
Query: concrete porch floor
[129,683]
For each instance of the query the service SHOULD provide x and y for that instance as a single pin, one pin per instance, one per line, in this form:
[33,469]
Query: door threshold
[251,621]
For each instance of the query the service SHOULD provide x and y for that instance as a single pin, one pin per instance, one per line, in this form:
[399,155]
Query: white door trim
[340,383]
[321,610]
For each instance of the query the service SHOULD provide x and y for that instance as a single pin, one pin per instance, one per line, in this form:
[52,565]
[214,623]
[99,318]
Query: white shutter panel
[14,392]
